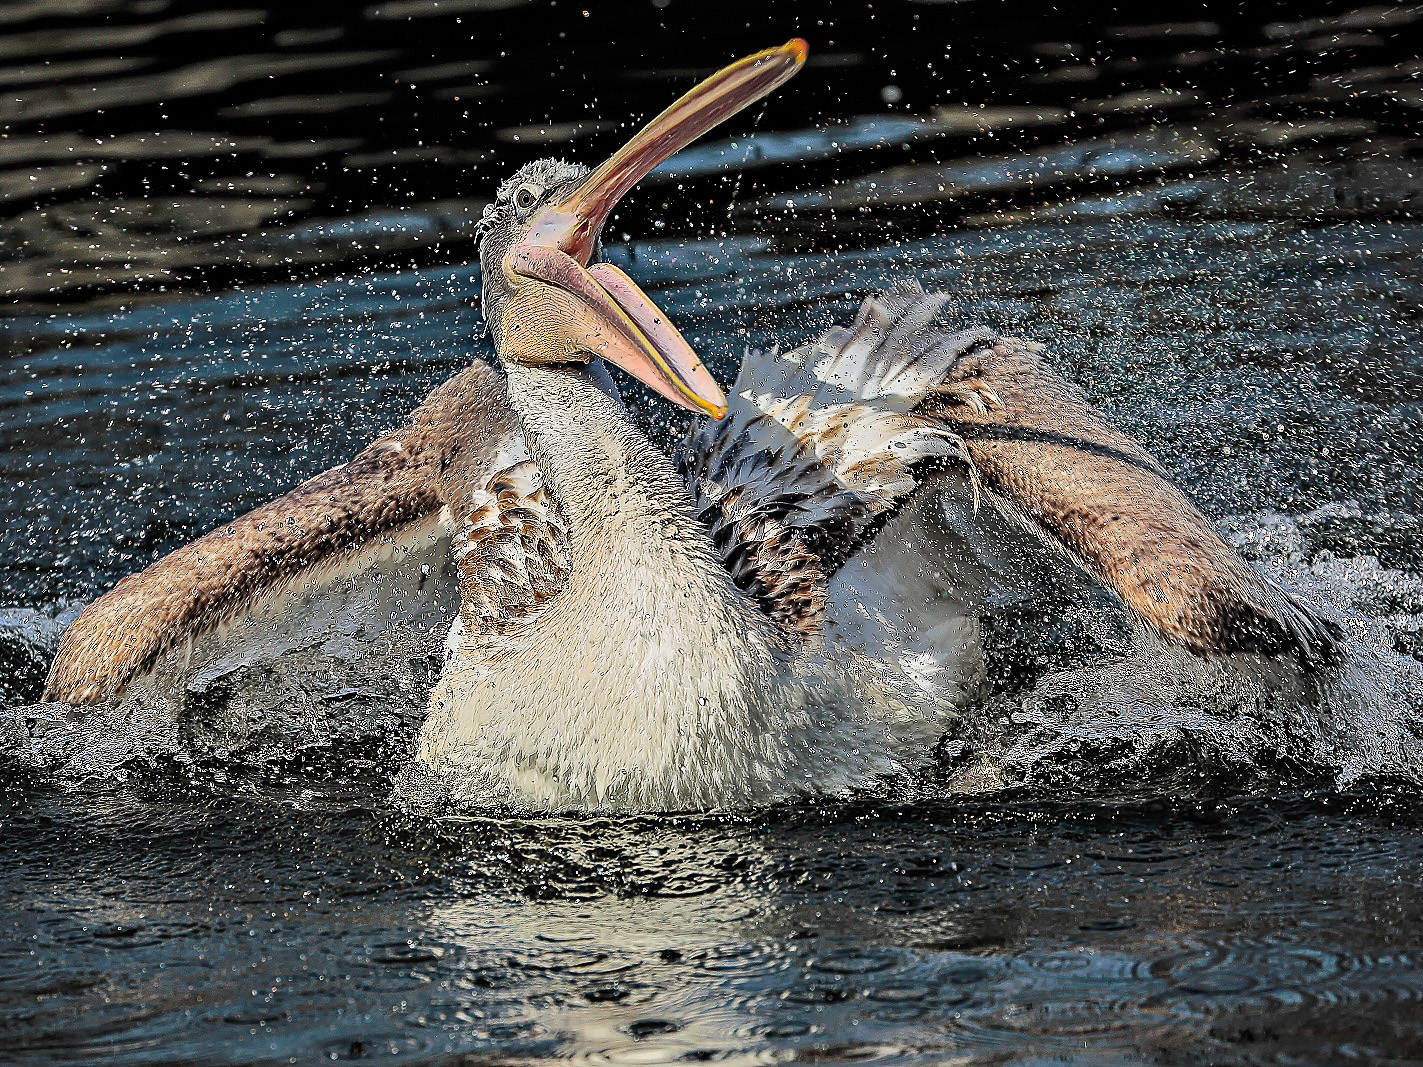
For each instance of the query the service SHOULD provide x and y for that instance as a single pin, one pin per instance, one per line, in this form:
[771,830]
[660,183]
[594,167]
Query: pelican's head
[547,299]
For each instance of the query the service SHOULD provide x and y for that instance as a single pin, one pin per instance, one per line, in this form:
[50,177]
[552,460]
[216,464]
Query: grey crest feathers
[548,180]
[550,176]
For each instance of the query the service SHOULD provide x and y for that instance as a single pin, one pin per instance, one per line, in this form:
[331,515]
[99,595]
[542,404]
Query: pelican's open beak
[599,309]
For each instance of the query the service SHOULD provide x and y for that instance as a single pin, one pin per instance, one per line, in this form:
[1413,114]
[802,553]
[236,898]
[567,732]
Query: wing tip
[1315,640]
[1230,620]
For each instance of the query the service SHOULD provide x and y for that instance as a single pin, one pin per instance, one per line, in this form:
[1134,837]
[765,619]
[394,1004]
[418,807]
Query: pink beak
[599,309]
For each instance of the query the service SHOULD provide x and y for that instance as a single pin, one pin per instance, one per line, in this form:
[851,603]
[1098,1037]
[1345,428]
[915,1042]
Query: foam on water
[1111,711]
[1145,717]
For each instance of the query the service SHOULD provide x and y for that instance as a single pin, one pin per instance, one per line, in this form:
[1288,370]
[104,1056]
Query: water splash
[1148,718]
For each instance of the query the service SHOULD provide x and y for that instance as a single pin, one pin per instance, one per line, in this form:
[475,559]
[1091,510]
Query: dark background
[153,145]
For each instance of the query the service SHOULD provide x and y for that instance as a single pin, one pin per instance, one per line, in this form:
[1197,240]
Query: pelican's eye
[526,197]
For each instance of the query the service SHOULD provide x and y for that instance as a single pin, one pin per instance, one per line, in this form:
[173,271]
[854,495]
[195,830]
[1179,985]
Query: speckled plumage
[819,445]
[823,441]
[511,550]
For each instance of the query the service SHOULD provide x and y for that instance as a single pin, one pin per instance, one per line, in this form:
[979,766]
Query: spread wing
[366,545]
[822,444]
[1101,497]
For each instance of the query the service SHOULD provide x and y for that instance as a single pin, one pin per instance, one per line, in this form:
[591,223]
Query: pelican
[788,607]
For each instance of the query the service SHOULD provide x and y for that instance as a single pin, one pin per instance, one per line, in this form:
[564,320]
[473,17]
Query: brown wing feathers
[1108,502]
[394,482]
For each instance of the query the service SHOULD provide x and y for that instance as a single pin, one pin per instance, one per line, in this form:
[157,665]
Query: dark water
[234,243]
[162,930]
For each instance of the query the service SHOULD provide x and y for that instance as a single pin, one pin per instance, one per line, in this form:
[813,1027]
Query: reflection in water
[984,933]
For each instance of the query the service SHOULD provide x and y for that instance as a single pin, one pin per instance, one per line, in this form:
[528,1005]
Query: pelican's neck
[644,682]
[636,546]
[614,486]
